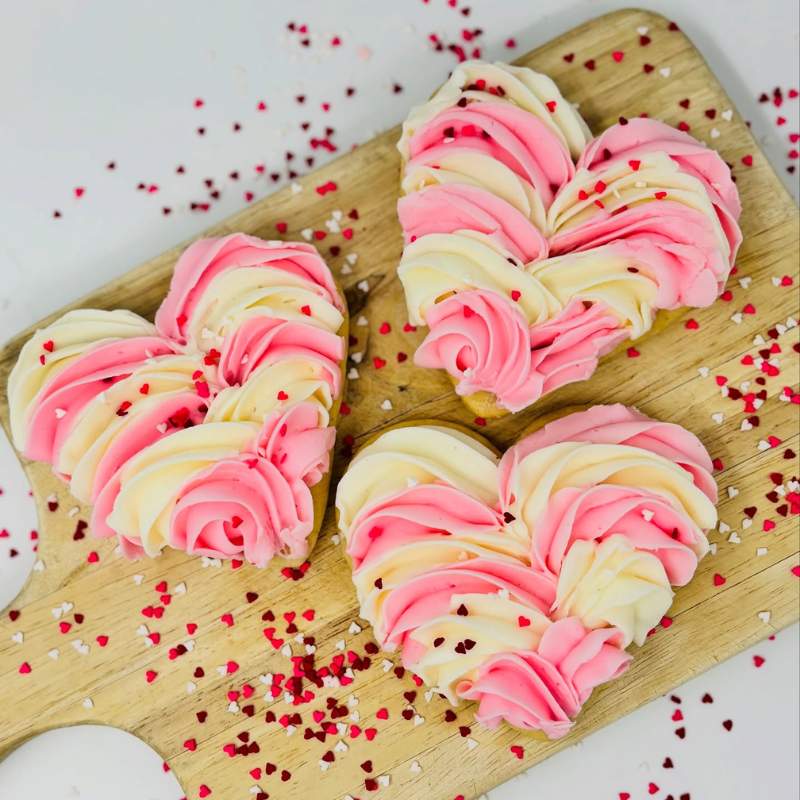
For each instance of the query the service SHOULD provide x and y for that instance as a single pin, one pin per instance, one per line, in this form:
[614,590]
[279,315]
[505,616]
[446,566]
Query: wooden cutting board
[88,682]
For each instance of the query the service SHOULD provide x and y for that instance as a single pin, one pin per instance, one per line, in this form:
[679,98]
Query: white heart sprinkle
[386,405]
[17,637]
[734,538]
[665,72]
[765,616]
[727,115]
[642,30]
[714,133]
[746,523]
[415,767]
[718,417]
[723,527]
[362,321]
[363,285]
[703,371]
[53,653]
[87,703]
[352,374]
[746,425]
[761,551]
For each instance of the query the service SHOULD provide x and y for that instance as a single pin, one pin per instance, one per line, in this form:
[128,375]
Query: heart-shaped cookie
[209,431]
[519,581]
[532,250]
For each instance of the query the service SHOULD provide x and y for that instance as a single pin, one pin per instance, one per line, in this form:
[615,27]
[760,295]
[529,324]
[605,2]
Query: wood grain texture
[710,622]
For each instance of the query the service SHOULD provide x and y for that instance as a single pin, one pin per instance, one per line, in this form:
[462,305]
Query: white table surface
[86,83]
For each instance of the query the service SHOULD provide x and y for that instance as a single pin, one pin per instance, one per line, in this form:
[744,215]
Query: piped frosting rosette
[527,243]
[210,431]
[519,581]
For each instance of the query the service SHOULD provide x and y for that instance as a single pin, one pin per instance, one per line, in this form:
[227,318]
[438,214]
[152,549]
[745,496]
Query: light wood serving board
[711,622]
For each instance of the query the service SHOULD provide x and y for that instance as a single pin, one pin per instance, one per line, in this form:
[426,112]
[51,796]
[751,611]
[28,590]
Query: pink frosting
[243,507]
[416,515]
[643,135]
[202,261]
[672,244]
[296,444]
[72,388]
[451,207]
[596,512]
[567,347]
[616,424]
[174,412]
[545,689]
[430,595]
[506,133]
[482,339]
[261,340]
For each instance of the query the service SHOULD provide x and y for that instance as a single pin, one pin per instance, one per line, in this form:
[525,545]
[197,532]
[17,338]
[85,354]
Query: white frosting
[421,454]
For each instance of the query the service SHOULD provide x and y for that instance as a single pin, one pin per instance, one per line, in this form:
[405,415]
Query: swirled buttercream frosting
[577,241]
[519,581]
[210,431]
